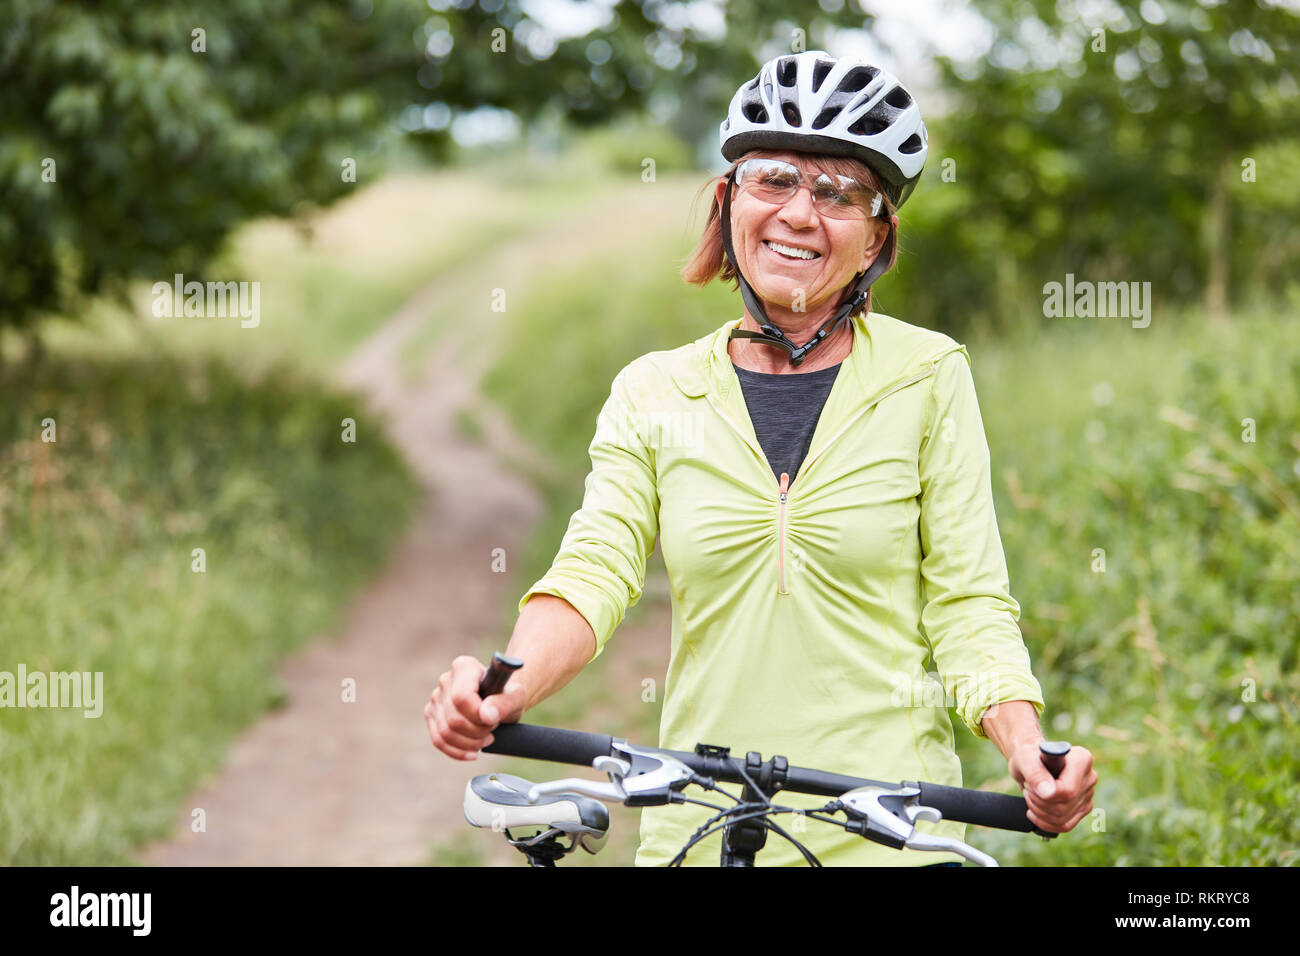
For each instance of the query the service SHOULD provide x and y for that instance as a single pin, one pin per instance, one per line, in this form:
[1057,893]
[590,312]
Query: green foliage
[641,52]
[1176,665]
[623,147]
[153,459]
[1133,141]
[133,143]
[138,134]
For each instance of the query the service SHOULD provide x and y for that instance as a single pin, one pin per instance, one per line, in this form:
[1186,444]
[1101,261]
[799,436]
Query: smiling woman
[828,530]
[800,249]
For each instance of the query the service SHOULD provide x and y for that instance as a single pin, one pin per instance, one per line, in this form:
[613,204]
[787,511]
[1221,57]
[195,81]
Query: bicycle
[642,776]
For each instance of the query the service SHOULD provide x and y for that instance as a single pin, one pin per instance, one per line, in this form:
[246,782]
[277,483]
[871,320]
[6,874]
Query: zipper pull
[785,485]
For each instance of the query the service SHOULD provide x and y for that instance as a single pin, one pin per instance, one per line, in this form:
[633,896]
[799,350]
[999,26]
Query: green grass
[330,280]
[1102,437]
[465,849]
[153,459]
[1177,664]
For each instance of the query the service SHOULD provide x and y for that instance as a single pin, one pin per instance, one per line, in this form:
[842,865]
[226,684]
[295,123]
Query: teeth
[791,250]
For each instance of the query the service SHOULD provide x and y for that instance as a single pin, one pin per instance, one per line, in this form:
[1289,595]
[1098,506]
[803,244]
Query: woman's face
[842,247]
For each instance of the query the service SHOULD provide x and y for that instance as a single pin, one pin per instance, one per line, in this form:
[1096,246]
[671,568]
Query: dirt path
[323,782]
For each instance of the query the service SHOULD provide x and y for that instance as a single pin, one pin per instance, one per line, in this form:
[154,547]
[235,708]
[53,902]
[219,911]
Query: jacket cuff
[590,601]
[971,709]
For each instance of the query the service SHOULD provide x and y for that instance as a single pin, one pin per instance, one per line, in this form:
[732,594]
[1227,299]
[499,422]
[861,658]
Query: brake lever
[865,804]
[612,791]
[646,778]
[652,776]
[898,819]
[932,841]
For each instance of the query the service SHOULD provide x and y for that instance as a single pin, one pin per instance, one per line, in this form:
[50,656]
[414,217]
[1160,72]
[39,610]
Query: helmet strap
[770,334]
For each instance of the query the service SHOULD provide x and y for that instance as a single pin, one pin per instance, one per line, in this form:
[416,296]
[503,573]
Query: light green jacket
[807,626]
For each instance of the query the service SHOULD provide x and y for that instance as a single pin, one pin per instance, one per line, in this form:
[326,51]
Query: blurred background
[271,530]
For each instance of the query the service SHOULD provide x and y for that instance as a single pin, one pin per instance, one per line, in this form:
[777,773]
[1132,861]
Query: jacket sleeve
[968,614]
[600,567]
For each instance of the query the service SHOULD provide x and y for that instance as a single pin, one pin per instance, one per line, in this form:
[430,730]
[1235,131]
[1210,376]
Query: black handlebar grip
[494,679]
[980,807]
[1053,754]
[549,743]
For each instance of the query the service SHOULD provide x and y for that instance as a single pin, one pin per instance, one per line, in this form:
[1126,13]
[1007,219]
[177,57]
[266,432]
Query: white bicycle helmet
[815,103]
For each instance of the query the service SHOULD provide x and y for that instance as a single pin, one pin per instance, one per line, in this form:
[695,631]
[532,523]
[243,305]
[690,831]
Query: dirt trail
[323,782]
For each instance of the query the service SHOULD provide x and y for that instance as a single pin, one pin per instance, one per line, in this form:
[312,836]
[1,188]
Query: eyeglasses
[776,182]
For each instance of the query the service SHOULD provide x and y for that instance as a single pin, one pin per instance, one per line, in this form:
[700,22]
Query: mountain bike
[549,820]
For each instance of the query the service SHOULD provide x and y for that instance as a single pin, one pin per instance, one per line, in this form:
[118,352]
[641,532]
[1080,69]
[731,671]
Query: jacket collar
[883,355]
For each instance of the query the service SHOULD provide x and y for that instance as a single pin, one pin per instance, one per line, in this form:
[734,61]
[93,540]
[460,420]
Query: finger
[463,724]
[1078,764]
[475,739]
[435,735]
[1066,818]
[467,742]
[1042,822]
[1059,812]
[464,742]
[1067,824]
[505,706]
[1080,816]
[1038,782]
[464,688]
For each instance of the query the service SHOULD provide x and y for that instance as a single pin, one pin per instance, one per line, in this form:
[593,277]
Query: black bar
[549,743]
[981,808]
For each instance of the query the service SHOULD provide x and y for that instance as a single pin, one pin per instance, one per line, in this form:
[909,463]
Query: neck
[799,328]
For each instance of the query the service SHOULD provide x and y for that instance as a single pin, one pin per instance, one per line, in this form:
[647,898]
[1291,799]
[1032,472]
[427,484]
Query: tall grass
[152,460]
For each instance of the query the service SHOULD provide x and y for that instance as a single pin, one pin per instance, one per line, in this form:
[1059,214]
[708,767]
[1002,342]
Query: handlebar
[981,808]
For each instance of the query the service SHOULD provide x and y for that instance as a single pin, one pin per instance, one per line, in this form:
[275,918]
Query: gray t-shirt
[784,410]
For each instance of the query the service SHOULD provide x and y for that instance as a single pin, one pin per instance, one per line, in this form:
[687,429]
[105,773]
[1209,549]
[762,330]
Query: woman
[819,480]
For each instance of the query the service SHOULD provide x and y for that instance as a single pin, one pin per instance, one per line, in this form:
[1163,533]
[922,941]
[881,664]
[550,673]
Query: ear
[720,190]
[875,245]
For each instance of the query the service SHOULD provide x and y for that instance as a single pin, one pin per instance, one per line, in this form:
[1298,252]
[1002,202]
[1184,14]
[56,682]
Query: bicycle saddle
[499,801]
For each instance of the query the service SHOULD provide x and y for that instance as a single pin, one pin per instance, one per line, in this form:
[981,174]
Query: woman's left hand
[1055,805]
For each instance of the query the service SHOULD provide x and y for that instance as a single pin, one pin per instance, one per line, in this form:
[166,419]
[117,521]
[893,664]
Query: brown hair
[709,261]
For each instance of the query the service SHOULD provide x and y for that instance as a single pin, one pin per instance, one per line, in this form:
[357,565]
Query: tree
[137,133]
[1098,136]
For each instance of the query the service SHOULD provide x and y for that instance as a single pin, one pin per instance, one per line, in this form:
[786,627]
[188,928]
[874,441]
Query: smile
[790,252]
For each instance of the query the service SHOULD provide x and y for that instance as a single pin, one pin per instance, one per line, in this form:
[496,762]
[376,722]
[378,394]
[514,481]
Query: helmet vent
[857,78]
[786,71]
[791,114]
[912,144]
[824,118]
[820,69]
[867,125]
[898,98]
[755,113]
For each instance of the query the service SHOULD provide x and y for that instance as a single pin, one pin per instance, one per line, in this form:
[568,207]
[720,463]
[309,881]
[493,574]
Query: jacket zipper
[784,488]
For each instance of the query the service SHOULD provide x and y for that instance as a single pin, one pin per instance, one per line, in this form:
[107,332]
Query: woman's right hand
[460,722]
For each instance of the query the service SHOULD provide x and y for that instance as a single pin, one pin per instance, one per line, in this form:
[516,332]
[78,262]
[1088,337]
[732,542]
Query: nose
[798,210]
